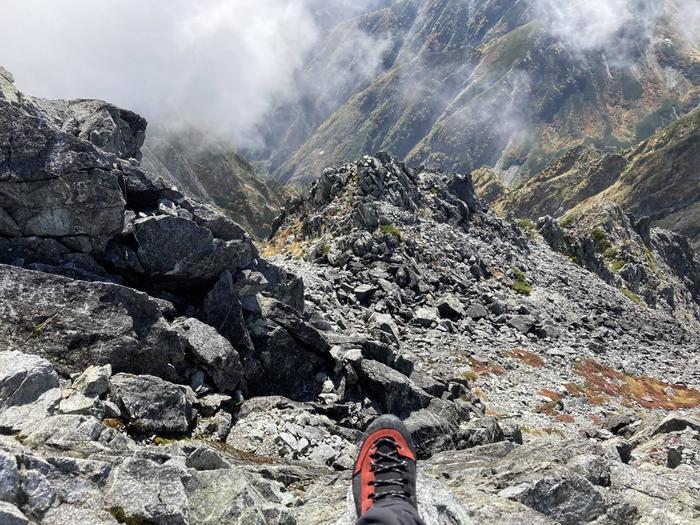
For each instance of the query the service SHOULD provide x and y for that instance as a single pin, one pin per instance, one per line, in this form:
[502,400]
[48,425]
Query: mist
[615,27]
[218,64]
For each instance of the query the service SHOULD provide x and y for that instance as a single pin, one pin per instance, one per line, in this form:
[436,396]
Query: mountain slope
[466,84]
[660,178]
[211,171]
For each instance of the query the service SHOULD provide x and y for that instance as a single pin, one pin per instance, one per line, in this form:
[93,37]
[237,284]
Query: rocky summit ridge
[159,368]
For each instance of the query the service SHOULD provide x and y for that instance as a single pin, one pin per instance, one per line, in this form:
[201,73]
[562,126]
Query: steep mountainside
[461,84]
[157,368]
[660,178]
[211,171]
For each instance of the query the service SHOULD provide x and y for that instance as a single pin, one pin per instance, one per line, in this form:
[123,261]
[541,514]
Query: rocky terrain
[458,84]
[159,368]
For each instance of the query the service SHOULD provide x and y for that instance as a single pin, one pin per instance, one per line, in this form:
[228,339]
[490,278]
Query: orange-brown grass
[551,394]
[479,392]
[114,423]
[548,408]
[574,390]
[528,358]
[602,382]
[294,248]
[484,368]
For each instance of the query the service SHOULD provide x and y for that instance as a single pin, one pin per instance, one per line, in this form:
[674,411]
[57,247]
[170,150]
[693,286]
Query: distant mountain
[458,84]
[660,178]
[211,171]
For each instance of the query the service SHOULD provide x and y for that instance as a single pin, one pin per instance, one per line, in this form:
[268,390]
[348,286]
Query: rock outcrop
[158,369]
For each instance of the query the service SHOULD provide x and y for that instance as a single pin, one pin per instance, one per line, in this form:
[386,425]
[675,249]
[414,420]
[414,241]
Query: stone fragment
[9,478]
[425,316]
[37,491]
[476,312]
[384,328]
[290,319]
[223,310]
[206,347]
[150,404]
[522,323]
[177,250]
[395,392]
[23,378]
[11,515]
[94,381]
[364,292]
[80,404]
[450,307]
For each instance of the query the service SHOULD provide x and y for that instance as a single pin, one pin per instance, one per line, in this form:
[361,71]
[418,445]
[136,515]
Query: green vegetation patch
[617,264]
[652,122]
[391,230]
[600,237]
[528,227]
[631,296]
[567,222]
[631,88]
[520,282]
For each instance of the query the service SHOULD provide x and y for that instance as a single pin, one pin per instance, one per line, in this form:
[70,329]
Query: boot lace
[389,462]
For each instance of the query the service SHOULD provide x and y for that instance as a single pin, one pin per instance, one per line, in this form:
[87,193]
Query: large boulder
[177,249]
[55,185]
[112,129]
[76,324]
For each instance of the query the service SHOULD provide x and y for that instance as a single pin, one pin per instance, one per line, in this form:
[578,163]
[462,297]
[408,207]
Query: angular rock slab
[235,496]
[24,378]
[151,404]
[76,324]
[142,491]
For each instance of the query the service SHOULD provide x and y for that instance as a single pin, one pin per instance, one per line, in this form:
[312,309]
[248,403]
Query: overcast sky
[211,60]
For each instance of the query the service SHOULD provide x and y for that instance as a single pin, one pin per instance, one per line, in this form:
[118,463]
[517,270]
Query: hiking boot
[385,468]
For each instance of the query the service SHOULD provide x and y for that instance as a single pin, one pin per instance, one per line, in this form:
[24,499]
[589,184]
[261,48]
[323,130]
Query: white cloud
[613,26]
[217,63]
[687,19]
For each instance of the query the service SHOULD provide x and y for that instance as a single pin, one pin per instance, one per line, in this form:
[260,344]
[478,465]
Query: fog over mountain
[198,63]
[216,63]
